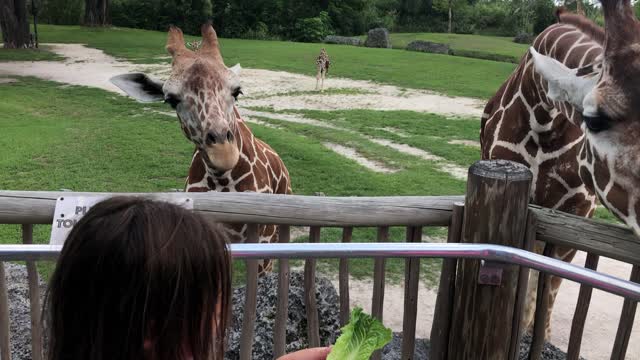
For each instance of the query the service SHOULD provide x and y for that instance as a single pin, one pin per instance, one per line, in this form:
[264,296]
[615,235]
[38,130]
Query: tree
[543,15]
[96,12]
[14,23]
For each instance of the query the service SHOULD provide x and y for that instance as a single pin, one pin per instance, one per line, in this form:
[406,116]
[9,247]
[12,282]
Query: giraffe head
[607,95]
[203,92]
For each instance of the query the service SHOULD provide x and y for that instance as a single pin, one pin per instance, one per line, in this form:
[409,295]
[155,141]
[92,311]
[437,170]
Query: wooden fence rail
[496,212]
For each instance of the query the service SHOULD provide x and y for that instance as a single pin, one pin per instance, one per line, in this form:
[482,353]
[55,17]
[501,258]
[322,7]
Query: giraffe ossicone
[227,156]
[571,113]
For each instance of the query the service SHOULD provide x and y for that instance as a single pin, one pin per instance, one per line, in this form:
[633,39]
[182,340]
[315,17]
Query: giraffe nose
[214,137]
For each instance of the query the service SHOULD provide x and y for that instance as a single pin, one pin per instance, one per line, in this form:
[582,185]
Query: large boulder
[378,38]
[328,303]
[428,47]
[343,40]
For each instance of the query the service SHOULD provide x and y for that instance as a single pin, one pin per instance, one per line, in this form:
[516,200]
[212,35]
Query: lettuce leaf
[360,338]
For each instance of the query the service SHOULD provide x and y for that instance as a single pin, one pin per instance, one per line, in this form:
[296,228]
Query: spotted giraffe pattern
[521,124]
[259,169]
[227,156]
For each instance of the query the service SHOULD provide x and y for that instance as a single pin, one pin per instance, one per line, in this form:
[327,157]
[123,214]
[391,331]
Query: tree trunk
[450,4]
[96,13]
[14,23]
[579,8]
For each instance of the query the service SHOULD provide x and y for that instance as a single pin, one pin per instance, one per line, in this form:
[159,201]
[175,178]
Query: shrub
[313,29]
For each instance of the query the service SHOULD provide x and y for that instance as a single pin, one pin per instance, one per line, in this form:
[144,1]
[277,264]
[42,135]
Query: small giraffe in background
[322,67]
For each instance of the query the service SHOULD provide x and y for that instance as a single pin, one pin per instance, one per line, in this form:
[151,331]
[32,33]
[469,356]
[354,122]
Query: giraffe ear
[563,84]
[236,69]
[139,86]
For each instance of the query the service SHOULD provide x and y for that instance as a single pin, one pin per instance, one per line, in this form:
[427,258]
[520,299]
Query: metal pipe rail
[496,253]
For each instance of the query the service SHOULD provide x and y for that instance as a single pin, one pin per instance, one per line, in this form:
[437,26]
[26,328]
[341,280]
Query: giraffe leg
[317,80]
[322,84]
[564,254]
[270,234]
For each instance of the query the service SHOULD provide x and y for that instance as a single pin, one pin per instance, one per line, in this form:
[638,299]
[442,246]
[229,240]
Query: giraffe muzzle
[222,156]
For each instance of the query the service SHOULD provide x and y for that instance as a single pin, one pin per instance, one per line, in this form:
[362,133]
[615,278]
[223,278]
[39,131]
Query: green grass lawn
[92,140]
[39,54]
[450,75]
[476,46]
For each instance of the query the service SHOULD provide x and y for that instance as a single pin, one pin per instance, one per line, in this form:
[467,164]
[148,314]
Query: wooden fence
[473,295]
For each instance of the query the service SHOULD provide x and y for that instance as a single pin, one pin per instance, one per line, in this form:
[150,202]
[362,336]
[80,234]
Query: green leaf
[360,338]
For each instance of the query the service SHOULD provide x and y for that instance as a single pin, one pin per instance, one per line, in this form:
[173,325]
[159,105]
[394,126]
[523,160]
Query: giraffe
[227,156]
[569,113]
[322,68]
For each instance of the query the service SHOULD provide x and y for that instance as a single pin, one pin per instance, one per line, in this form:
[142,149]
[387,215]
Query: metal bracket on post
[490,273]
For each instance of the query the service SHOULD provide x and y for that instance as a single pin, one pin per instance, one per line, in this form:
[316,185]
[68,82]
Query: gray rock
[428,47]
[19,315]
[327,300]
[549,351]
[378,38]
[523,38]
[393,350]
[343,40]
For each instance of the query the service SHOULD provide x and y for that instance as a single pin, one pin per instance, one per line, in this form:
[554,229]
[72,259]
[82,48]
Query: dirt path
[600,327]
[276,89]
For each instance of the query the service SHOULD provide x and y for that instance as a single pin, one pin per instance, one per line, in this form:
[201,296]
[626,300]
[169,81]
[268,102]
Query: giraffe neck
[259,168]
[521,124]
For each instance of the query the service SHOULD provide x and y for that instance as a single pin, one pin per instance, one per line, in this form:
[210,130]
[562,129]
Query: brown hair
[135,270]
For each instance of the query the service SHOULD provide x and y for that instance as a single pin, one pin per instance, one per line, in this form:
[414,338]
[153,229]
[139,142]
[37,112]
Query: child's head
[140,279]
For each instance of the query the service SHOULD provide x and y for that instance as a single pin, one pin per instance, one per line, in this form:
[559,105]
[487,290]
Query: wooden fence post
[485,294]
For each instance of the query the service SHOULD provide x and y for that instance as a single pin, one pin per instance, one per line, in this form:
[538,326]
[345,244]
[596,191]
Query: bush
[60,12]
[544,15]
[523,38]
[313,29]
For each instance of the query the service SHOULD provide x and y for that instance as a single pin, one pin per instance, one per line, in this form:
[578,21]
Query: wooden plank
[580,314]
[521,293]
[604,239]
[411,284]
[251,300]
[446,292]
[313,325]
[377,301]
[34,298]
[282,308]
[5,343]
[542,309]
[36,207]
[625,326]
[495,212]
[343,279]
[592,236]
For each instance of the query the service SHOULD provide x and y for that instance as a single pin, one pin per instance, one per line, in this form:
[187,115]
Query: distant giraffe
[322,68]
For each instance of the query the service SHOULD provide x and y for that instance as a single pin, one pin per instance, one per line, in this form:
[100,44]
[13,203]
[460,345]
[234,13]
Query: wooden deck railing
[465,225]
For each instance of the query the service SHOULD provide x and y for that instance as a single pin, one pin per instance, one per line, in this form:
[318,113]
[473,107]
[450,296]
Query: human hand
[319,353]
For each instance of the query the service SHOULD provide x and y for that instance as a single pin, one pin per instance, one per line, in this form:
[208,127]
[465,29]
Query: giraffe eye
[172,99]
[236,92]
[597,123]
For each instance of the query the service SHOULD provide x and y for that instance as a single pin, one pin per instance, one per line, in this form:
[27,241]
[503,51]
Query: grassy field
[91,140]
[40,54]
[458,76]
[476,46]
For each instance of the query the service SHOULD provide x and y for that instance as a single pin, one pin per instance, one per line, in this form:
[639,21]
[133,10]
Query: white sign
[70,209]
